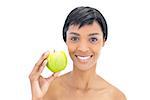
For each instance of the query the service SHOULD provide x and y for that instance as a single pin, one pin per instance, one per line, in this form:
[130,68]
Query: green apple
[57,61]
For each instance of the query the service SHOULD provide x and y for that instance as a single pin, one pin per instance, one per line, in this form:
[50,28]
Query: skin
[82,83]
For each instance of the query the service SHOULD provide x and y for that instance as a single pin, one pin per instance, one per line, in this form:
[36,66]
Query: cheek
[71,48]
[97,50]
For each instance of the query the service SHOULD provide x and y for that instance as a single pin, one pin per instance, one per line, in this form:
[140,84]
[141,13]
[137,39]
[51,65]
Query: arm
[39,84]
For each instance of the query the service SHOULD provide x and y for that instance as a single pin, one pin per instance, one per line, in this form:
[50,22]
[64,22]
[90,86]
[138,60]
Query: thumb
[53,76]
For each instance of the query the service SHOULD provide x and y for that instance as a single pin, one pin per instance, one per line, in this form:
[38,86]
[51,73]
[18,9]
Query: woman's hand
[39,85]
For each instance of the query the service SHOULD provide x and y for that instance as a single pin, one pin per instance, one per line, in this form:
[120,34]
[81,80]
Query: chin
[84,65]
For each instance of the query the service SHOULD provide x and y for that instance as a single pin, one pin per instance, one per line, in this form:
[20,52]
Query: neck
[83,79]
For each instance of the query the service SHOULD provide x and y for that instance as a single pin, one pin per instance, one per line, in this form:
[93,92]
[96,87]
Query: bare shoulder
[111,92]
[117,94]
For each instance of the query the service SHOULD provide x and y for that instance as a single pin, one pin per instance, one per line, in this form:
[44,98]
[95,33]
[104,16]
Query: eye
[74,39]
[93,40]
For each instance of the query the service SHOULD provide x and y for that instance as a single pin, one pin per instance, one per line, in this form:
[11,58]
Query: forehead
[86,29]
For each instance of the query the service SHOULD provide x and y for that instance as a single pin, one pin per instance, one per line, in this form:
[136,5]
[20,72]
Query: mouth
[82,58]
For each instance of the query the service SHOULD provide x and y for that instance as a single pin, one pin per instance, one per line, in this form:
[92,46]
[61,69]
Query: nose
[83,46]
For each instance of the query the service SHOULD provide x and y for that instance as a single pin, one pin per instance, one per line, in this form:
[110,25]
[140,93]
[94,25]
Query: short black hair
[85,16]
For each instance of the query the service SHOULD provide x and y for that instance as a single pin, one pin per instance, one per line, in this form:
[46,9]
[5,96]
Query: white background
[30,27]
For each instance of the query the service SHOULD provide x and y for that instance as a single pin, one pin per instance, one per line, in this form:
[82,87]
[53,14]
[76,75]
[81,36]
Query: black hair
[85,16]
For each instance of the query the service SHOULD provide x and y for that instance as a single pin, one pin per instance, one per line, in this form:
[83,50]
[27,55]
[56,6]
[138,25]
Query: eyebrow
[73,33]
[91,34]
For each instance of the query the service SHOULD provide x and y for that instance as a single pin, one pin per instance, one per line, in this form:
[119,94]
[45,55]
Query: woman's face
[84,45]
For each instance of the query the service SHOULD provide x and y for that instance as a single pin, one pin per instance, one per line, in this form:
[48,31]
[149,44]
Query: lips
[83,58]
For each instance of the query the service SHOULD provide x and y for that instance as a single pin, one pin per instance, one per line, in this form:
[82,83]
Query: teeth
[83,58]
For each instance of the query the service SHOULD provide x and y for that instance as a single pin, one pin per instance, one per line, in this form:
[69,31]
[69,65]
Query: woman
[85,33]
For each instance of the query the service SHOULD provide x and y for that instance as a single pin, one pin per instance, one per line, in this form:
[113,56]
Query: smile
[83,58]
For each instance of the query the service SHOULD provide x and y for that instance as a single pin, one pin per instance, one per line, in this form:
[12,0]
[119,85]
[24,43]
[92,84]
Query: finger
[37,74]
[42,58]
[53,76]
[42,66]
[45,61]
[56,74]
